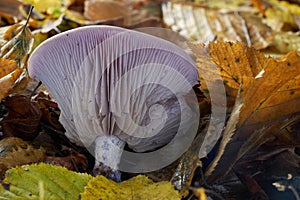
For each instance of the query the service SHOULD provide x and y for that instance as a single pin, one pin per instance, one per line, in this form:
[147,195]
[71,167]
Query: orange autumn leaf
[271,86]
[270,97]
[275,94]
[6,66]
[8,81]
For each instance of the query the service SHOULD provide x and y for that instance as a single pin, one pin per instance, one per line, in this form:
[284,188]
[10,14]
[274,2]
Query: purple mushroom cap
[116,84]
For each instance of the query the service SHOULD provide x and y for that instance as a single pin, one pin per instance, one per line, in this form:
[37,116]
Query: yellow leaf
[42,181]
[283,12]
[139,187]
[47,6]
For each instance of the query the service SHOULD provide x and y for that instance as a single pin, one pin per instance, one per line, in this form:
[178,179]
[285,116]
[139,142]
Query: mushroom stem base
[108,152]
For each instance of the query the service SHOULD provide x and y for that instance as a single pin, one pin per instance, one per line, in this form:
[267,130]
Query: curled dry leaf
[14,152]
[22,119]
[50,111]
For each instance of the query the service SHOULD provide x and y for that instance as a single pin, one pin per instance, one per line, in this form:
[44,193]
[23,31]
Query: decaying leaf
[189,161]
[15,44]
[14,152]
[19,41]
[50,111]
[139,187]
[42,181]
[287,41]
[22,119]
[9,11]
[72,161]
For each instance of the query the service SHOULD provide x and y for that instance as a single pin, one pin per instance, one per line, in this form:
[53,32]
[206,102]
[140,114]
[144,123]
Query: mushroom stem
[108,152]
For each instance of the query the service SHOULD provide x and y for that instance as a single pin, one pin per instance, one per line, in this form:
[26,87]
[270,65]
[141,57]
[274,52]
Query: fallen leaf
[104,10]
[7,66]
[8,81]
[224,21]
[270,92]
[53,7]
[228,132]
[139,187]
[189,161]
[72,161]
[19,41]
[14,152]
[282,11]
[42,181]
[286,41]
[50,111]
[22,118]
[9,11]
[16,44]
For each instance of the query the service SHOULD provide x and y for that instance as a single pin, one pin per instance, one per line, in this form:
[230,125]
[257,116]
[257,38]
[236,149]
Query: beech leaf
[270,92]
[42,181]
[139,187]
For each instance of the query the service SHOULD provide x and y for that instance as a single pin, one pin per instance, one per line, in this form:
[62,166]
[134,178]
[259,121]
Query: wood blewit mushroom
[114,87]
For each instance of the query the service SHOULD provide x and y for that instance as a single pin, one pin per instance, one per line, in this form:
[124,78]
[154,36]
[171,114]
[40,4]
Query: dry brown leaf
[104,10]
[202,22]
[22,119]
[14,151]
[213,88]
[7,66]
[276,94]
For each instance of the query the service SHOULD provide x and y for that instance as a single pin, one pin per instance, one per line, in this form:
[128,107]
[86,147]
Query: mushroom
[116,86]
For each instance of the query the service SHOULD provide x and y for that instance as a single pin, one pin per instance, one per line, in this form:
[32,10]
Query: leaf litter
[262,127]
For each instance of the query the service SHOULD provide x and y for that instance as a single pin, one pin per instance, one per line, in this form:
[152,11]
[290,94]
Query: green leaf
[139,187]
[42,181]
